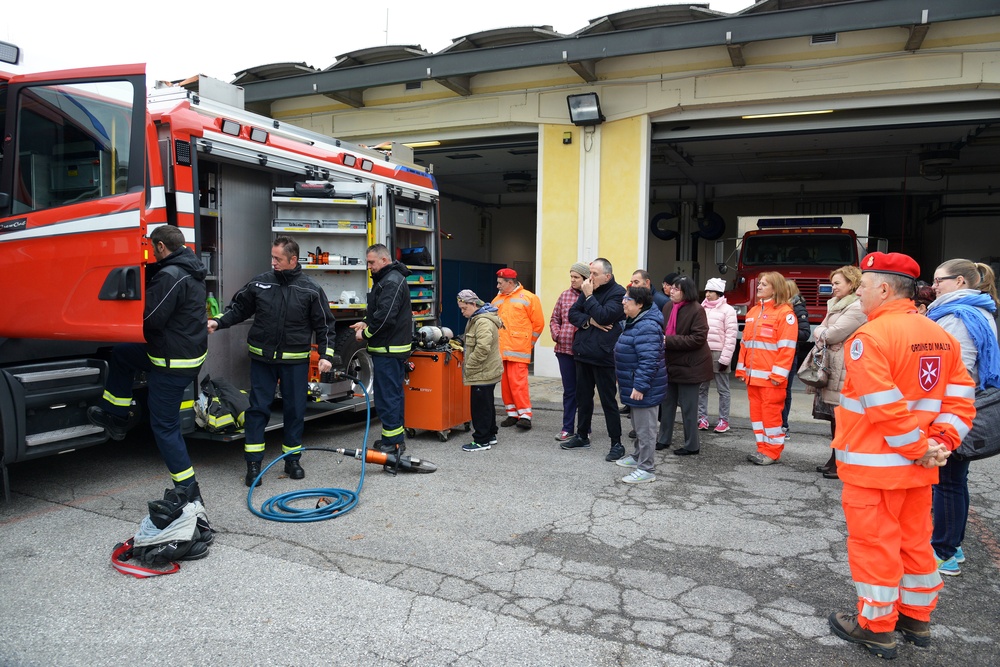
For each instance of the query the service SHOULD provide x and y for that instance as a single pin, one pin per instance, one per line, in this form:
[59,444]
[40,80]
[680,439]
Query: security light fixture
[585,109]
[10,53]
[230,127]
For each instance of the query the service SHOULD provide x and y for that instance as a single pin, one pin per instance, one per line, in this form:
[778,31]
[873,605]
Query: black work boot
[116,426]
[390,448]
[846,626]
[916,632]
[253,469]
[294,469]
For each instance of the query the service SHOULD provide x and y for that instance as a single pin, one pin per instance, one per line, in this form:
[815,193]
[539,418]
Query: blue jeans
[950,507]
[567,369]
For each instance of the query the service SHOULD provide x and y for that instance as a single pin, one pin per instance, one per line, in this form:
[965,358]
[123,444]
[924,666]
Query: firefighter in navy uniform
[388,331]
[907,402]
[176,347]
[288,308]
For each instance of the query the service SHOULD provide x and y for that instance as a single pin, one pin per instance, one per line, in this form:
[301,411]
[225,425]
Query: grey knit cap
[468,296]
[581,268]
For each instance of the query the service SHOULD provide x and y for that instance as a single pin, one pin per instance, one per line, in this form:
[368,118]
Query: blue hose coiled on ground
[280,508]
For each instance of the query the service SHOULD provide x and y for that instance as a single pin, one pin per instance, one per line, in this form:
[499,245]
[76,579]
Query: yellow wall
[624,189]
[558,213]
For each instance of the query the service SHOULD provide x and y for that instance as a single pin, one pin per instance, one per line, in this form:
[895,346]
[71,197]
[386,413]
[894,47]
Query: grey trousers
[685,395]
[644,423]
[722,383]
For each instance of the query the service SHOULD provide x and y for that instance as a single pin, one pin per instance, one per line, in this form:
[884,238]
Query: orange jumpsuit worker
[523,321]
[907,402]
[766,358]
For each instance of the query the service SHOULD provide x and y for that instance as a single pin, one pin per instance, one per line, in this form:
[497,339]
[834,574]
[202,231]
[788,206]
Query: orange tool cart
[435,397]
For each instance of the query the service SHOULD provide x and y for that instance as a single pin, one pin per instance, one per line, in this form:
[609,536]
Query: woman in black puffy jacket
[802,315]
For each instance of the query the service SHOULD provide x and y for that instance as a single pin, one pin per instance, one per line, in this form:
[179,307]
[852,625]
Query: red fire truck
[91,163]
[802,248]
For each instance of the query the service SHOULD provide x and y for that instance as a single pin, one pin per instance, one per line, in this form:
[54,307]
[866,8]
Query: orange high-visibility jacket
[523,322]
[905,383]
[768,349]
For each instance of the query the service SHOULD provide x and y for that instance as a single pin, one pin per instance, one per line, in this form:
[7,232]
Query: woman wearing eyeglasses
[689,363]
[965,307]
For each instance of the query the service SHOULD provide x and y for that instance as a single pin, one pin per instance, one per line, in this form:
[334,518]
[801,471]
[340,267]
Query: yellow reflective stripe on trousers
[392,349]
[284,355]
[247,447]
[178,363]
[392,432]
[114,400]
[182,475]
[286,449]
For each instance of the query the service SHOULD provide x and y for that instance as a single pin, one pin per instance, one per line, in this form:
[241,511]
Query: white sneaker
[639,476]
[627,462]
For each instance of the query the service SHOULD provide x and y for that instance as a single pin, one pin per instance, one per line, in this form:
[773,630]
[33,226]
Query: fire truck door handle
[122,284]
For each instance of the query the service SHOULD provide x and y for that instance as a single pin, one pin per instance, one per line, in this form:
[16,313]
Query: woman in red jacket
[766,357]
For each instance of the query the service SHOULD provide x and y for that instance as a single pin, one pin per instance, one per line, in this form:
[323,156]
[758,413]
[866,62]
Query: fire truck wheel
[357,361]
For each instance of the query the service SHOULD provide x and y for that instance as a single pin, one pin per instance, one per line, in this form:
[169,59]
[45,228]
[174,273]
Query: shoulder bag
[983,440]
[813,371]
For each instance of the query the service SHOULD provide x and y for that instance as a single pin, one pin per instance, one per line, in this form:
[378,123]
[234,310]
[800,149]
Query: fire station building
[644,134]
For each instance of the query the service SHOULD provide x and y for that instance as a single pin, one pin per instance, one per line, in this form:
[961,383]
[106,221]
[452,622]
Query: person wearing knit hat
[722,331]
[523,321]
[563,331]
[468,296]
[906,404]
[481,367]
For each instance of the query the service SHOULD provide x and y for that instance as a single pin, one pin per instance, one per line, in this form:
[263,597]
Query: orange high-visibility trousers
[766,403]
[514,389]
[890,554]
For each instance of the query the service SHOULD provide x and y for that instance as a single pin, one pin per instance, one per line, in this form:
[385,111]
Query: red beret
[509,274]
[893,262]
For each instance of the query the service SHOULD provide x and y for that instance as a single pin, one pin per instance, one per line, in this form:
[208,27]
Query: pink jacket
[722,328]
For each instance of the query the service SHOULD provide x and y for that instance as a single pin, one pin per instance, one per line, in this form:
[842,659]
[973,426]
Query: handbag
[813,371]
[983,440]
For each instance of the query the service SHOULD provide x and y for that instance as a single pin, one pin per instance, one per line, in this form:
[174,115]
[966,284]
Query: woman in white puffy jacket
[722,330]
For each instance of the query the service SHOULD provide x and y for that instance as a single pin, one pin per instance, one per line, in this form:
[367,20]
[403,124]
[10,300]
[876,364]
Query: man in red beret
[523,321]
[907,402]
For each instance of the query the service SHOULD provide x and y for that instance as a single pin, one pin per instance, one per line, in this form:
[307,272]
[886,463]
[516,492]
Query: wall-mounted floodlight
[10,53]
[585,109]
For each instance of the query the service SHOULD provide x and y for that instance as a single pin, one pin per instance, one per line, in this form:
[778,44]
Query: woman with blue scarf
[965,307]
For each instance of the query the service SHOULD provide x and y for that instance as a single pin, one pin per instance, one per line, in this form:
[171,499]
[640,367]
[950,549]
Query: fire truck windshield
[797,249]
[72,142]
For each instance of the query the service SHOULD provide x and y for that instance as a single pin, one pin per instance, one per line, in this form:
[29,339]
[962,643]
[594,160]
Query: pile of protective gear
[176,529]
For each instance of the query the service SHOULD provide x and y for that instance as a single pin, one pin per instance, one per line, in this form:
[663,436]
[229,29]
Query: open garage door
[925,170]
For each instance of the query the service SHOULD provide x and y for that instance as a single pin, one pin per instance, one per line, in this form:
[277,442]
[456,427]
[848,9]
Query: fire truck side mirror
[720,256]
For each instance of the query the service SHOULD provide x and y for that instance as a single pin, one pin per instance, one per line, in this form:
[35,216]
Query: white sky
[181,38]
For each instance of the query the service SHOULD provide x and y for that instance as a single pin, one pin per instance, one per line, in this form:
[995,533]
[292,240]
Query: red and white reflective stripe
[135,570]
[94,224]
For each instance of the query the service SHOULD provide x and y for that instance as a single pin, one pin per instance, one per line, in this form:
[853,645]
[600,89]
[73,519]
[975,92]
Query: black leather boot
[253,469]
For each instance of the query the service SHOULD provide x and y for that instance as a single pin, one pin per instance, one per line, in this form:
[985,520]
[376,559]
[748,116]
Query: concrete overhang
[740,29]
